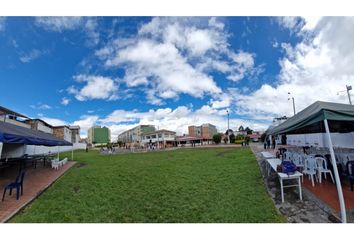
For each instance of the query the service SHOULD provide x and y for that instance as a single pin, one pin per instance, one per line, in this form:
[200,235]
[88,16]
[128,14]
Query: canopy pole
[58,153]
[72,153]
[336,175]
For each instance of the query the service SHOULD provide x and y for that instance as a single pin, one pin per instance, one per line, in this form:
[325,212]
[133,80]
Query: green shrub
[217,138]
[240,137]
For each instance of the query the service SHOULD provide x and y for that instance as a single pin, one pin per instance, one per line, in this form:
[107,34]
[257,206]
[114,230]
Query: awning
[310,120]
[10,133]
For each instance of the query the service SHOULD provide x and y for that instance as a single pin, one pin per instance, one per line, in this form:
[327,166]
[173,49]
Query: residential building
[195,131]
[134,135]
[75,134]
[40,125]
[9,116]
[206,131]
[98,134]
[161,138]
[62,132]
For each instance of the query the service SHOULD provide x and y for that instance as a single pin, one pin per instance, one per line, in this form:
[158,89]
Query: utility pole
[228,127]
[348,89]
[293,102]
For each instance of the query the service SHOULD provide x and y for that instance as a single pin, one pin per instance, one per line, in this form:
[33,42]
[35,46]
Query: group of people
[269,144]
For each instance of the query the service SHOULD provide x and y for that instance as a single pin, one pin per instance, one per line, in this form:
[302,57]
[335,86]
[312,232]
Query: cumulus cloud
[96,87]
[65,101]
[172,56]
[316,68]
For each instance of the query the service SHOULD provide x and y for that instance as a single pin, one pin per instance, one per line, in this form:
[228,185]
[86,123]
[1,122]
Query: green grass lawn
[185,186]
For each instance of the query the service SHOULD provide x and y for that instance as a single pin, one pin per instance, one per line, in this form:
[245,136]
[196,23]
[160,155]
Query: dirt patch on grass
[76,189]
[222,154]
[81,165]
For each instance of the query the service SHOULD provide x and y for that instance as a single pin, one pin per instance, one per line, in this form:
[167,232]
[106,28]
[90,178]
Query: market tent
[10,133]
[321,117]
[310,120]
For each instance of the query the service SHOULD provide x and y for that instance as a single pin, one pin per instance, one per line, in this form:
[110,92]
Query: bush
[217,138]
[239,141]
[240,137]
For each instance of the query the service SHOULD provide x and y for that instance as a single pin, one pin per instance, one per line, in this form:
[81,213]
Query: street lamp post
[228,127]
[293,102]
[348,89]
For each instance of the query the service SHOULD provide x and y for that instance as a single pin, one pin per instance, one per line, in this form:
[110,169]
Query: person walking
[268,143]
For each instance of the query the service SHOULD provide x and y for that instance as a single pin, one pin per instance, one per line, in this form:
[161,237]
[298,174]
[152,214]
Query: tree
[217,138]
[248,130]
[229,132]
[120,143]
[241,129]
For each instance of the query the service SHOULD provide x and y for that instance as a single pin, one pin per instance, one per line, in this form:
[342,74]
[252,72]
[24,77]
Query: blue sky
[171,72]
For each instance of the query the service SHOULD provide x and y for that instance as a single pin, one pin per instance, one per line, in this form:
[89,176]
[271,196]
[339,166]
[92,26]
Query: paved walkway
[310,210]
[35,182]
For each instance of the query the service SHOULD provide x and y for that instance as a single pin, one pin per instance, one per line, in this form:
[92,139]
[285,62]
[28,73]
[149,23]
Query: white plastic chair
[322,168]
[310,168]
[55,164]
[287,156]
[298,160]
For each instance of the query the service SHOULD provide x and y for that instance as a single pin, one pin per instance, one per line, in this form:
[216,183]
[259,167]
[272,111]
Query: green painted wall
[101,135]
[146,129]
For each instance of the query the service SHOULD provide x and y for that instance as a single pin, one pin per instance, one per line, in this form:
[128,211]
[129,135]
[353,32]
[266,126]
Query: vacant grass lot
[187,185]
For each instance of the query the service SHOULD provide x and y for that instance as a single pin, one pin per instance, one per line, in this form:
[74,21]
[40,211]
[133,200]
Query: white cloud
[96,87]
[315,69]
[54,121]
[172,56]
[59,24]
[294,24]
[32,55]
[65,101]
[221,101]
[41,106]
[2,23]
[311,22]
[91,28]
[214,23]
